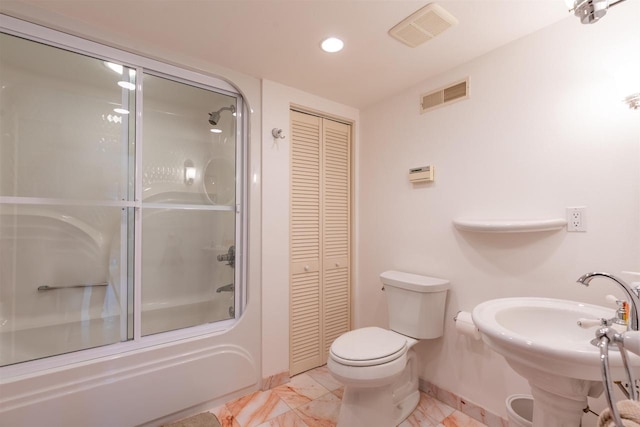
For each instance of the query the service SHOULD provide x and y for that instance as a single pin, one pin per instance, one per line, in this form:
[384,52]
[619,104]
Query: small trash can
[520,410]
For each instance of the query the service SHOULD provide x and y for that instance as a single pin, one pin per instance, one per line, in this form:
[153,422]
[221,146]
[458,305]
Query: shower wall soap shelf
[510,226]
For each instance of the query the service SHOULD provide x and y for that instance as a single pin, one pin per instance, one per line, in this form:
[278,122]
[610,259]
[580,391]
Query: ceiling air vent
[446,95]
[423,25]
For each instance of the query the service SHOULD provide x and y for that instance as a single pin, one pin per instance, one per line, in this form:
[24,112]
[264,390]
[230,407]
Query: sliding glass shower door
[188,205]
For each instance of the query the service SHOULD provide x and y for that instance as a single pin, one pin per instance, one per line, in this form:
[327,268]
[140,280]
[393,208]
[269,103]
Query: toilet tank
[416,303]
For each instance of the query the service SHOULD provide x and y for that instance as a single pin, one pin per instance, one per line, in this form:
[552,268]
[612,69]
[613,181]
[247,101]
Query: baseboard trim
[463,405]
[275,380]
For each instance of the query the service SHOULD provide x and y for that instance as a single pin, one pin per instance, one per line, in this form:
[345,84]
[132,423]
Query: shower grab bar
[84,285]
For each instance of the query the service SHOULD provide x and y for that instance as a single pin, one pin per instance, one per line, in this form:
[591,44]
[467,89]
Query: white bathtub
[148,386]
[43,341]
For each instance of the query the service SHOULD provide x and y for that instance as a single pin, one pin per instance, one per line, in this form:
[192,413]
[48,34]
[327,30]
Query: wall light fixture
[189,172]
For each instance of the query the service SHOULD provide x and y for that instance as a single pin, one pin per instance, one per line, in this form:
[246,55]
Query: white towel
[629,414]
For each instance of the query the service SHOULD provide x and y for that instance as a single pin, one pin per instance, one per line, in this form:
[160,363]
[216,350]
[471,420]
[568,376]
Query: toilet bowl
[379,367]
[379,370]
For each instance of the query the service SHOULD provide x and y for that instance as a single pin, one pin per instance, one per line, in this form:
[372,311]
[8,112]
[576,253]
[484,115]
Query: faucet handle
[585,323]
[613,300]
[588,323]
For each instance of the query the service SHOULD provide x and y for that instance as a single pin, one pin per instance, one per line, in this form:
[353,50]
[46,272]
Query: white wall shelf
[510,226]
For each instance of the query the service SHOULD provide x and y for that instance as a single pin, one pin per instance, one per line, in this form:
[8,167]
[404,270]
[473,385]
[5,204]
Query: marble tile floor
[312,399]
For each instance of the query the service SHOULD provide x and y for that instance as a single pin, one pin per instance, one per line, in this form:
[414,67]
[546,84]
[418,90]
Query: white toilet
[378,367]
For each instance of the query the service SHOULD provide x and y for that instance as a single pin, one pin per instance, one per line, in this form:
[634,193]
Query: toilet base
[370,408]
[382,406]
[407,406]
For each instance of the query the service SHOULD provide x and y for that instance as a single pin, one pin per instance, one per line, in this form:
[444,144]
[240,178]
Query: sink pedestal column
[557,401]
[552,410]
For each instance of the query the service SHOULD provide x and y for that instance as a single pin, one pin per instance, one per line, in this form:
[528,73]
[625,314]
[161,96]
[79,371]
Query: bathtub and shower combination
[124,235]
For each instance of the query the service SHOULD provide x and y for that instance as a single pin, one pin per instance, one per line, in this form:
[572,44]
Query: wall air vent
[423,25]
[446,95]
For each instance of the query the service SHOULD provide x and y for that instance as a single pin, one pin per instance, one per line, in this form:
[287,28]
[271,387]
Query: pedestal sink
[540,340]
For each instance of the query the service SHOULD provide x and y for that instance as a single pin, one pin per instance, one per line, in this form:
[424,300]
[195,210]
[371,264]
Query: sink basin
[540,340]
[543,333]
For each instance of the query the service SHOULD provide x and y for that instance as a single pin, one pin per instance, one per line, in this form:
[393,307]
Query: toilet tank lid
[413,282]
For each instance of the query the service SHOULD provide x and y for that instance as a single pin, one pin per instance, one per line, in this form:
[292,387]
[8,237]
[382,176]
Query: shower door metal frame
[240,268]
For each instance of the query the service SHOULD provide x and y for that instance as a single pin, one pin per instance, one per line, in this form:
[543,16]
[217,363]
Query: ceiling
[279,40]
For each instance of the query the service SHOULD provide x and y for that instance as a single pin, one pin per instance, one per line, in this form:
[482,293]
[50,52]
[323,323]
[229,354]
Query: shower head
[214,117]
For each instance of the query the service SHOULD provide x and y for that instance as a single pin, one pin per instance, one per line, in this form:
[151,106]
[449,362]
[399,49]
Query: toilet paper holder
[464,325]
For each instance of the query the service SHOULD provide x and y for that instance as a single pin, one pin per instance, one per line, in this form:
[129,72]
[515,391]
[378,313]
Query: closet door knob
[306,268]
[337,264]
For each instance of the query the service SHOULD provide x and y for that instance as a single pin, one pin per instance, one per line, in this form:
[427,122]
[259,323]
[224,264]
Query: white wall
[276,102]
[544,128]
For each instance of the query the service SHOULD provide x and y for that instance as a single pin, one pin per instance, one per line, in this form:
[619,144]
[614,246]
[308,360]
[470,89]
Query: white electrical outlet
[577,218]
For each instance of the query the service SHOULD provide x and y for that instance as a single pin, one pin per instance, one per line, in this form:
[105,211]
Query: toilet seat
[368,347]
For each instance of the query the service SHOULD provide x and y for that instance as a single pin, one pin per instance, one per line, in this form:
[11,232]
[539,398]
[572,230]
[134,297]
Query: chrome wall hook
[277,133]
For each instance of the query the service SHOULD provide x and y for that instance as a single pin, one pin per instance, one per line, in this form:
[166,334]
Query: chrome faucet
[229,257]
[226,288]
[631,292]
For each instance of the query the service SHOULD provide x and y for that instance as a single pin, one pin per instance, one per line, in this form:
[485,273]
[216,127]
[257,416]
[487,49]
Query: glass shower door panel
[61,285]
[187,277]
[66,121]
[189,149]
[66,200]
[188,205]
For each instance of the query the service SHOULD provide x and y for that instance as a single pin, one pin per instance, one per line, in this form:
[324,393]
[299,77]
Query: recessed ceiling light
[216,130]
[121,111]
[332,45]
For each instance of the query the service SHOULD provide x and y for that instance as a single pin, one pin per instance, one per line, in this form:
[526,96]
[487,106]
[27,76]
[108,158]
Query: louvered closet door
[319,238]
[336,231]
[305,233]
